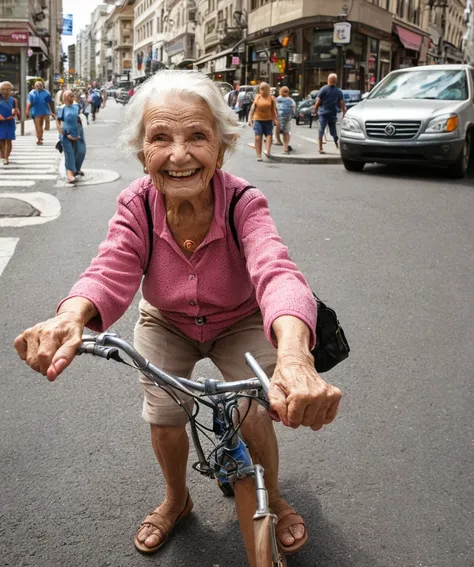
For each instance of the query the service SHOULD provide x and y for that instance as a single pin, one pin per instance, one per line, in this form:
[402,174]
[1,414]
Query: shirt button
[192,277]
[192,303]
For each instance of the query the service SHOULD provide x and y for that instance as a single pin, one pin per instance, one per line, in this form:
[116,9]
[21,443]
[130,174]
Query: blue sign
[67,24]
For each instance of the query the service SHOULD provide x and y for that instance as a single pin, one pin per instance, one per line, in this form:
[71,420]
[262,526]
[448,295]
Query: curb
[326,160]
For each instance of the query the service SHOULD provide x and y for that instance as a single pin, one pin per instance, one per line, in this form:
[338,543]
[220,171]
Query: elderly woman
[263,116]
[8,113]
[71,135]
[202,296]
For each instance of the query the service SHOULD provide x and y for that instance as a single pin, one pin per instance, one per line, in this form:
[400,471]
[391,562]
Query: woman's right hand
[51,346]
[250,122]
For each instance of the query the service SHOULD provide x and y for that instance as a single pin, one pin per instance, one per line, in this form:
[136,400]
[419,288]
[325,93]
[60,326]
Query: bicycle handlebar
[109,345]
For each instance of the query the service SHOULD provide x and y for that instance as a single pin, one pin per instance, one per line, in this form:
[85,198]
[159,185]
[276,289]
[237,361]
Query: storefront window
[10,66]
[385,58]
[372,63]
[354,57]
[323,46]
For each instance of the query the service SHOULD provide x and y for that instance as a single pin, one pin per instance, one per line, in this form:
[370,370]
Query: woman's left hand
[299,396]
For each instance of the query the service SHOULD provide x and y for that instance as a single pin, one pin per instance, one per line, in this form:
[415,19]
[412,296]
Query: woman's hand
[299,396]
[250,122]
[69,137]
[51,346]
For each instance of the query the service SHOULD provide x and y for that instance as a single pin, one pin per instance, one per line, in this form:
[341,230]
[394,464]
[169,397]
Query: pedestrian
[103,95]
[72,136]
[244,102]
[95,102]
[286,108]
[263,116]
[39,108]
[203,297]
[86,106]
[8,113]
[233,95]
[330,99]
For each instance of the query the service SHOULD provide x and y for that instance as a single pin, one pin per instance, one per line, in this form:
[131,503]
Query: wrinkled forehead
[179,109]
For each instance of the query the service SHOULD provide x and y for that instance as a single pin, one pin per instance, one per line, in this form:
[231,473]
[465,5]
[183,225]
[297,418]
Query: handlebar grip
[259,373]
[103,352]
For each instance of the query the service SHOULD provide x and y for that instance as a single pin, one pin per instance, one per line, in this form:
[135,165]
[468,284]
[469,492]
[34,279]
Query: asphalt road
[389,484]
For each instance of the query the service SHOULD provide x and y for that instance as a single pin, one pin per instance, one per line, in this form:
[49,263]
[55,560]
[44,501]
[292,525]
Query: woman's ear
[141,157]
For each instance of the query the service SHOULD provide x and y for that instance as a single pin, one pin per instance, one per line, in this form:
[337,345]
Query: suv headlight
[443,124]
[350,124]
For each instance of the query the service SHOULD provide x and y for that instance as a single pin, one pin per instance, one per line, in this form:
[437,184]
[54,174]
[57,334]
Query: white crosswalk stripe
[30,163]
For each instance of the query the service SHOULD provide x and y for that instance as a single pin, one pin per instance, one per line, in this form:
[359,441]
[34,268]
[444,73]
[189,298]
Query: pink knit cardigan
[216,287]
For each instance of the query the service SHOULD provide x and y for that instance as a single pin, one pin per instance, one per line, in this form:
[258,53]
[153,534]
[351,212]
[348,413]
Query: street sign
[16,37]
[342,33]
[67,24]
[235,60]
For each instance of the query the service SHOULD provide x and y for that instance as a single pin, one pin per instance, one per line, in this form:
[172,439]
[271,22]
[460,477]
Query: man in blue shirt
[39,108]
[330,100]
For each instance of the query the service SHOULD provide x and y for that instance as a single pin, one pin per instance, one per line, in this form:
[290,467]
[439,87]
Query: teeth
[181,173]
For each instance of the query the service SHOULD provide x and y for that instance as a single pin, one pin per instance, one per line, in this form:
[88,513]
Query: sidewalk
[304,141]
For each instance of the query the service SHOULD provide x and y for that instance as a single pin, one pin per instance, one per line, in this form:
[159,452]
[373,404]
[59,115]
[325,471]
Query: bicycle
[229,462]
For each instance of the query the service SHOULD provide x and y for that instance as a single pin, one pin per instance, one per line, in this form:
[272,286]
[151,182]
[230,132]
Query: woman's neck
[182,212]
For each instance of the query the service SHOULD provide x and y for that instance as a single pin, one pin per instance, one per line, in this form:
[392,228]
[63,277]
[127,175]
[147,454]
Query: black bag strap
[149,218]
[233,203]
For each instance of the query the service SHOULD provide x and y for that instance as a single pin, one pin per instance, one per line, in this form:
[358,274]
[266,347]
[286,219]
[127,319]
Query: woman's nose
[179,152]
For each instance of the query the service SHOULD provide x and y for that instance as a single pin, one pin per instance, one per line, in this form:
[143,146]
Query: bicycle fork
[266,516]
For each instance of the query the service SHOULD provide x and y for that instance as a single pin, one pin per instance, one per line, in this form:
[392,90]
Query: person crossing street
[39,108]
[330,100]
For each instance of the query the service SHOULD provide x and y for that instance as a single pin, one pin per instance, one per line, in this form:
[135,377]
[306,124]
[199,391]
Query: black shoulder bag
[331,343]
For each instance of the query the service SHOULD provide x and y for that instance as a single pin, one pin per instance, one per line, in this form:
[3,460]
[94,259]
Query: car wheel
[353,165]
[458,169]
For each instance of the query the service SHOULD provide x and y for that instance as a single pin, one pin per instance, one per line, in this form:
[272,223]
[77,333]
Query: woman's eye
[197,137]
[159,138]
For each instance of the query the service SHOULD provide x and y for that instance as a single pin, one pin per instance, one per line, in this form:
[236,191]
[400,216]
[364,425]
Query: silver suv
[421,115]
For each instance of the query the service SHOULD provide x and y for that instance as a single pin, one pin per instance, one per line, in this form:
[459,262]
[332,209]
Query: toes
[152,540]
[286,538]
[297,531]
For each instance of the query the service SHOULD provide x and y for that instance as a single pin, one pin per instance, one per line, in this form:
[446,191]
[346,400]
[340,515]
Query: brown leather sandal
[286,518]
[158,521]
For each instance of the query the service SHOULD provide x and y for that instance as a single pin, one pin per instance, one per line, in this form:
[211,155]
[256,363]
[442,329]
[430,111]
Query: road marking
[48,206]
[7,249]
[27,177]
[15,183]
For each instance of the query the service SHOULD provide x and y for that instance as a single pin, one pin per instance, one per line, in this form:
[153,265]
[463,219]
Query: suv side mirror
[364,96]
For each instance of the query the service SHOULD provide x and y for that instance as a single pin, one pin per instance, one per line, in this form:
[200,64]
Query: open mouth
[185,174]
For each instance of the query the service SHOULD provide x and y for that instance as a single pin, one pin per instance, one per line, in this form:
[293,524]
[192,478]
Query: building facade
[71,62]
[98,47]
[119,41]
[34,27]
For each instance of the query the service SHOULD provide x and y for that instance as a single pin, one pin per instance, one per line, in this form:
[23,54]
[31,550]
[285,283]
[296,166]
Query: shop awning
[409,39]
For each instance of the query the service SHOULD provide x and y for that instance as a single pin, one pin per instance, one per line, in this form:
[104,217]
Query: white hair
[177,83]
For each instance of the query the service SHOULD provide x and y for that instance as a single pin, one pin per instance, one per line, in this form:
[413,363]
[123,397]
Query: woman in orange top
[263,116]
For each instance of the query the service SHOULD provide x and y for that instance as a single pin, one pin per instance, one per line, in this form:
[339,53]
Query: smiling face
[181,146]
[39,86]
[68,97]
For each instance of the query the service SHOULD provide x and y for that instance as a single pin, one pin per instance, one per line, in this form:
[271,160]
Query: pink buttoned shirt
[217,286]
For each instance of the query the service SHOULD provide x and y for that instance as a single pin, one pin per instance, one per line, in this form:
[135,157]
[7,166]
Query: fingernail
[60,365]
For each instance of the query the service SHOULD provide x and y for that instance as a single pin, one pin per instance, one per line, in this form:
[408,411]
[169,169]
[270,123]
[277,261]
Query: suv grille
[395,130]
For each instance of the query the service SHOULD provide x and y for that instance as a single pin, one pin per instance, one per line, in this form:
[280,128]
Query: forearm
[293,336]
[81,307]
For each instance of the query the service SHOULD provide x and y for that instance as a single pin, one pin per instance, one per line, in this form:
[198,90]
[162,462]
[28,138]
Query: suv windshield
[424,84]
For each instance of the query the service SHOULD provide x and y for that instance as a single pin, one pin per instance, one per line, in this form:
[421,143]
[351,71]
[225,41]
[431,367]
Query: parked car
[122,96]
[111,92]
[305,108]
[421,115]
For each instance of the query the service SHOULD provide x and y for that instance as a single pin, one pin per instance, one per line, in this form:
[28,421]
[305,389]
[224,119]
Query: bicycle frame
[230,460]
